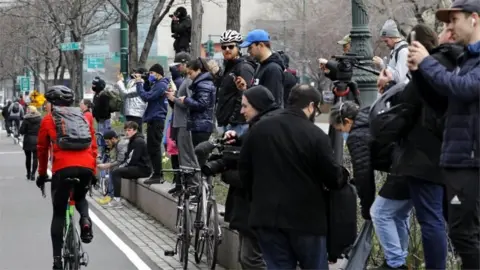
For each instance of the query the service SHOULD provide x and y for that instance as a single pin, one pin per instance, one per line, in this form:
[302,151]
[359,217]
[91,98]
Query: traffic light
[210,49]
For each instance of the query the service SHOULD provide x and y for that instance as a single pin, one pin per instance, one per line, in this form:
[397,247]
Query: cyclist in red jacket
[79,164]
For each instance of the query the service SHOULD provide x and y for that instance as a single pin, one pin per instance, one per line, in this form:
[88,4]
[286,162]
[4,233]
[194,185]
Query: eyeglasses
[230,47]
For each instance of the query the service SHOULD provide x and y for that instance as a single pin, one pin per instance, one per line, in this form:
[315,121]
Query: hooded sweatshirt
[270,74]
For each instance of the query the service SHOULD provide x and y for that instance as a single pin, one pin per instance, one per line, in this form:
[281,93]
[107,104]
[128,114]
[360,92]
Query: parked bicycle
[184,211]
[73,255]
[208,234]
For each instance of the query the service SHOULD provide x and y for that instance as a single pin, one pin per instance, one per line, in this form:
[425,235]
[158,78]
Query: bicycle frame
[69,214]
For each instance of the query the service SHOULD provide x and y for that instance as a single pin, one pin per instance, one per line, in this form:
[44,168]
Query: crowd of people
[422,131]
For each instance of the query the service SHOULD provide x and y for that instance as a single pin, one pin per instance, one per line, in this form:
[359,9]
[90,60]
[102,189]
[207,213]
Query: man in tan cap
[346,43]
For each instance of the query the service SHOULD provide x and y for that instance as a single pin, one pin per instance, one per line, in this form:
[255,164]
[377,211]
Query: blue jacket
[157,106]
[462,87]
[201,104]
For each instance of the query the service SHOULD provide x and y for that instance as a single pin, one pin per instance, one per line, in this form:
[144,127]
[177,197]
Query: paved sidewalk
[147,233]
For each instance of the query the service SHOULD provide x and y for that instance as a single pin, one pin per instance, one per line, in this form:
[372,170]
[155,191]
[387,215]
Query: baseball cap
[470,6]
[257,35]
[345,40]
[181,58]
[109,134]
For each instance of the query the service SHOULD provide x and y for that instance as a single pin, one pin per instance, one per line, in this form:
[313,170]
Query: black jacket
[289,82]
[421,147]
[101,108]
[229,98]
[270,74]
[181,32]
[5,111]
[137,153]
[285,164]
[29,130]
[237,205]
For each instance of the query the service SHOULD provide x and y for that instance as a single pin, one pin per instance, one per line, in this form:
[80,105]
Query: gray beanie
[390,30]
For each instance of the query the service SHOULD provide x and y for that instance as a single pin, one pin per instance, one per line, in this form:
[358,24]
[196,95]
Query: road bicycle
[73,255]
[184,212]
[208,234]
[15,135]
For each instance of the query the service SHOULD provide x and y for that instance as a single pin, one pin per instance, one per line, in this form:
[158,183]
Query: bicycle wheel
[186,232]
[71,249]
[199,238]
[212,238]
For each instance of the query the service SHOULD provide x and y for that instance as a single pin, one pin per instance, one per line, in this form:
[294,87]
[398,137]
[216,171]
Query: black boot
[29,176]
[154,179]
[32,177]
[57,263]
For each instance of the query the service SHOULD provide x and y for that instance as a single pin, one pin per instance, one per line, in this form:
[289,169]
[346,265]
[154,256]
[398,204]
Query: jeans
[129,172]
[427,199]
[285,249]
[103,125]
[239,129]
[391,220]
[464,214]
[154,144]
[250,255]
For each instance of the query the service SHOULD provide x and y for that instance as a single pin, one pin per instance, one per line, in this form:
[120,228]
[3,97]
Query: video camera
[219,156]
[345,65]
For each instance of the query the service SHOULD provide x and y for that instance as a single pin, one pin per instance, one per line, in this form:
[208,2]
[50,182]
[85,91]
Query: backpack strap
[397,50]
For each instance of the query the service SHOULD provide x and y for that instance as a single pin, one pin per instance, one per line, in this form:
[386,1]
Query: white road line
[11,152]
[131,255]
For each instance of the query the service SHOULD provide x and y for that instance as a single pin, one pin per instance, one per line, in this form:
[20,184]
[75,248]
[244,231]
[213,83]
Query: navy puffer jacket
[201,104]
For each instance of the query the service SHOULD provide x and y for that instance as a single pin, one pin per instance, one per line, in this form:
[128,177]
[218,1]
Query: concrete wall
[156,201]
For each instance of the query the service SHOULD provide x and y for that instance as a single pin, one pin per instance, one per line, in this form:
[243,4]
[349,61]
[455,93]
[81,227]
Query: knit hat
[390,30]
[98,83]
[260,98]
[109,134]
[157,68]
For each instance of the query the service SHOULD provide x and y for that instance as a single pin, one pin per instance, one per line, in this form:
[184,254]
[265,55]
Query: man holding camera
[181,30]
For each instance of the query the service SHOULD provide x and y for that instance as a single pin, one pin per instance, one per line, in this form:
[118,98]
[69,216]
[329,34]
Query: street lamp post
[124,40]
[362,45]
[304,48]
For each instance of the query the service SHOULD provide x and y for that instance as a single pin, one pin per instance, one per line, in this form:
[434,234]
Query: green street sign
[24,83]
[96,63]
[70,46]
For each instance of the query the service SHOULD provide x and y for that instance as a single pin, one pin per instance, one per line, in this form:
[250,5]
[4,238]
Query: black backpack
[16,108]
[73,130]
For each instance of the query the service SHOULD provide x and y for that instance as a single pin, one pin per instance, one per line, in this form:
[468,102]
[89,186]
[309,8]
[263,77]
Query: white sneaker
[115,203]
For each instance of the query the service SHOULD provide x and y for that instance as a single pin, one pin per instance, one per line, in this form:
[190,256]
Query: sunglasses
[230,47]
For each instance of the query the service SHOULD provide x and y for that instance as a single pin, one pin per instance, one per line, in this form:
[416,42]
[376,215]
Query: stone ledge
[156,201]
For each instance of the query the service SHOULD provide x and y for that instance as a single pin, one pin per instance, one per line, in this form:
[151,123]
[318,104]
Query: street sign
[70,46]
[96,63]
[24,83]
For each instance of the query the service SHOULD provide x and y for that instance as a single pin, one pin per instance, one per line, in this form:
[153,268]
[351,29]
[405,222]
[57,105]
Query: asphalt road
[25,218]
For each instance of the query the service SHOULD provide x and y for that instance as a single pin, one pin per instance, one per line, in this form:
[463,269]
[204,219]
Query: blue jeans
[239,129]
[427,199]
[103,126]
[391,220]
[110,185]
[285,249]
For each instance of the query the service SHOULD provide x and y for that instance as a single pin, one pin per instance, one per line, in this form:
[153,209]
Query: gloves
[41,179]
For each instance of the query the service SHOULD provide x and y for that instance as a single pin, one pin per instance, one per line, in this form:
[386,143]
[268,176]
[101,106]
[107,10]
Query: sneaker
[86,230]
[115,204]
[175,190]
[57,263]
[154,179]
[104,200]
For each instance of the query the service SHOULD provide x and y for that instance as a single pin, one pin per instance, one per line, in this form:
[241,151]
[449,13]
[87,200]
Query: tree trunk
[133,45]
[233,14]
[46,70]
[196,38]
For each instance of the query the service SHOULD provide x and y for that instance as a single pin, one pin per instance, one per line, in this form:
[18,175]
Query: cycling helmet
[60,95]
[230,36]
[390,120]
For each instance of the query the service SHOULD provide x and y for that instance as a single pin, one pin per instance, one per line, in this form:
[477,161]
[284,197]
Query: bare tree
[233,14]
[196,39]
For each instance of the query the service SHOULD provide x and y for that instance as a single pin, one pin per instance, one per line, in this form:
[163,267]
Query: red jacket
[89,117]
[62,158]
